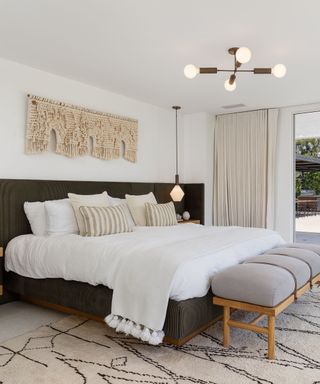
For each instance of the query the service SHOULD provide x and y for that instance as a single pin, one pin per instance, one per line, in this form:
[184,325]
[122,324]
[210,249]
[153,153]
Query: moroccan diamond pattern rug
[80,351]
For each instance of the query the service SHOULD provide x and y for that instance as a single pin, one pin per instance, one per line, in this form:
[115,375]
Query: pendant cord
[176,108]
[177,142]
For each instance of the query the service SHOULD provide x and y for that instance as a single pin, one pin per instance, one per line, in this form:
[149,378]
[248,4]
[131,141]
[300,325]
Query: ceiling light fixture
[241,55]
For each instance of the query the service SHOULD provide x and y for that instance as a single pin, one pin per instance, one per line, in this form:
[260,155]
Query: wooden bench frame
[270,312]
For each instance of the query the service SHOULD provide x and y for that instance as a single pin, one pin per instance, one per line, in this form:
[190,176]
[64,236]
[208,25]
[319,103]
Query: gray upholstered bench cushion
[311,247]
[259,284]
[310,257]
[299,269]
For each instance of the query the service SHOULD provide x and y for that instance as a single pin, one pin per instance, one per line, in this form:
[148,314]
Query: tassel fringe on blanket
[131,328]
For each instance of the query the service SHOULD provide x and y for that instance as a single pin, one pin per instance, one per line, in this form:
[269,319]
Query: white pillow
[117,201]
[36,216]
[136,204]
[77,201]
[60,217]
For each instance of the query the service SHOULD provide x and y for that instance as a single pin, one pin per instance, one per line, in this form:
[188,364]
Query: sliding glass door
[307,177]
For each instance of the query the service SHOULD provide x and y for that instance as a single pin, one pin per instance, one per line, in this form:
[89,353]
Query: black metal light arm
[256,71]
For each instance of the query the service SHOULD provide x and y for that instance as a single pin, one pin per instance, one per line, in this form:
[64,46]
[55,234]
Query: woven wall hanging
[74,126]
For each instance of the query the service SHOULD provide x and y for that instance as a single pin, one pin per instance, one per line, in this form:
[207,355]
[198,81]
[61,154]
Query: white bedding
[144,267]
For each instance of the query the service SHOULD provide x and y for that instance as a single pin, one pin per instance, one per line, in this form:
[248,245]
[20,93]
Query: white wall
[284,215]
[156,146]
[285,178]
[197,156]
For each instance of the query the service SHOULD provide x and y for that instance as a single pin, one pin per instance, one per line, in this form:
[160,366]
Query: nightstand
[189,221]
[1,271]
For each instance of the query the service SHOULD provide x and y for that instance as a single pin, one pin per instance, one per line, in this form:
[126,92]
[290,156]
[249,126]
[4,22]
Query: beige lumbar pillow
[100,221]
[77,201]
[159,215]
[136,204]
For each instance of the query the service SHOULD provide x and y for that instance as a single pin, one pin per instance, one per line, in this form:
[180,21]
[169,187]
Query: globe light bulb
[230,87]
[243,55]
[191,71]
[279,71]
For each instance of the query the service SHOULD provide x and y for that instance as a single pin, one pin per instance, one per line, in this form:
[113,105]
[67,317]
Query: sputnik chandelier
[241,55]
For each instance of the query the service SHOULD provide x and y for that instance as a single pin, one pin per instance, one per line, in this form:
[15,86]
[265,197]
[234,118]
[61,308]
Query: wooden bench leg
[271,337]
[226,328]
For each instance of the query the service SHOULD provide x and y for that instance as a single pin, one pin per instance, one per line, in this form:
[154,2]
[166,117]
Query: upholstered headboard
[13,193]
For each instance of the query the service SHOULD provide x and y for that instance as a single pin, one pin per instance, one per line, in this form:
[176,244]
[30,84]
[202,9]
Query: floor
[77,351]
[17,318]
[308,224]
[308,237]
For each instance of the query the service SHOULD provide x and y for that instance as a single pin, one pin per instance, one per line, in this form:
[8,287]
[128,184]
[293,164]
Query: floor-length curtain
[244,168]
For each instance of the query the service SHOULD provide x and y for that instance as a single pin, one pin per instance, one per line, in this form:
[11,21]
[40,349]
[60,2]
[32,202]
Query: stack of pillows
[97,215]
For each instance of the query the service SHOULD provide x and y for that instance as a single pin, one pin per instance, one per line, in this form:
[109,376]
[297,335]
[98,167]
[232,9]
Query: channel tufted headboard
[13,193]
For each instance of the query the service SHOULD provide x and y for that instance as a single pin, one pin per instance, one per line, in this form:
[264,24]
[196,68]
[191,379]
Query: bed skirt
[184,319]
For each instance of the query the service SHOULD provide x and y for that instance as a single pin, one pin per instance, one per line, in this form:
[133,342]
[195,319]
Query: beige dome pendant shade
[177,192]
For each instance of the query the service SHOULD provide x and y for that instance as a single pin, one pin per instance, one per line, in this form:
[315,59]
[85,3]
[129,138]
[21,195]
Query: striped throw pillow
[99,221]
[159,215]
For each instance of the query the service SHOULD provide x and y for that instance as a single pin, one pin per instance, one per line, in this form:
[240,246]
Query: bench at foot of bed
[266,285]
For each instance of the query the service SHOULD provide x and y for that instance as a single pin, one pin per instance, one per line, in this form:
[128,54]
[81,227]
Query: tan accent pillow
[77,201]
[136,204]
[100,221]
[159,215]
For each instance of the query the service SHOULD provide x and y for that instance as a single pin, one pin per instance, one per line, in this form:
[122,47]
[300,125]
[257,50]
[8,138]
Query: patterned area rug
[78,351]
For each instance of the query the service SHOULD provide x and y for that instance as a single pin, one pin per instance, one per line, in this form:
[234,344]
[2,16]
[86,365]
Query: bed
[78,292]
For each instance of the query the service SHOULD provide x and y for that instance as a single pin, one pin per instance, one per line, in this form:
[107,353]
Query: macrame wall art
[74,126]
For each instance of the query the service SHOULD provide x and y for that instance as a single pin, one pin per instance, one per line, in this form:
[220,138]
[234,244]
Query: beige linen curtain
[244,168]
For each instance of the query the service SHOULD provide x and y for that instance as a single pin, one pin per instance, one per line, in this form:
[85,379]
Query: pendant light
[177,192]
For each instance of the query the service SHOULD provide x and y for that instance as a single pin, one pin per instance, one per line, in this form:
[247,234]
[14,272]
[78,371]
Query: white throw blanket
[144,268]
[143,285]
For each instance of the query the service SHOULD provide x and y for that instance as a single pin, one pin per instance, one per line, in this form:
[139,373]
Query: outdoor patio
[307,206]
[308,229]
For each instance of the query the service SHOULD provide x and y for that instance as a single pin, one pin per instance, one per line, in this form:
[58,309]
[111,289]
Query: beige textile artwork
[74,126]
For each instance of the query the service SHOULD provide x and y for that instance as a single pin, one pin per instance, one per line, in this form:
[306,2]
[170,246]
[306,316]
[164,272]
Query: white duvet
[144,268]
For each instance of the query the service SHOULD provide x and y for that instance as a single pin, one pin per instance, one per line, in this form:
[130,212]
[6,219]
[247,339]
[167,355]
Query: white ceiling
[139,47]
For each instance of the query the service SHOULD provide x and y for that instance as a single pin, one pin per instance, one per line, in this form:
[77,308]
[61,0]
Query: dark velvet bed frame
[184,319]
